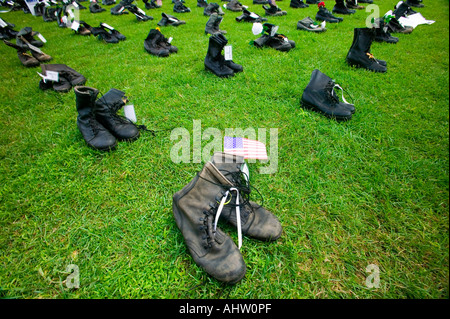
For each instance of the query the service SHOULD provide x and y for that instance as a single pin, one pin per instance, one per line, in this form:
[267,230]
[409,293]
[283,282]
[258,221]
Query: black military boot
[152,44]
[415,3]
[402,9]
[325,15]
[202,3]
[106,109]
[95,8]
[319,96]
[298,4]
[352,4]
[248,16]
[211,8]
[395,27]
[195,209]
[95,135]
[255,220]
[359,54]
[179,7]
[341,8]
[168,19]
[274,11]
[382,33]
[214,60]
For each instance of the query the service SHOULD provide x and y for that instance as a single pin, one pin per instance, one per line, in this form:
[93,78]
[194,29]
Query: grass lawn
[370,191]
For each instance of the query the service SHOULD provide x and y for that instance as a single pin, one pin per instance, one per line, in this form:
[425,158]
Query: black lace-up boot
[325,15]
[352,4]
[256,221]
[95,135]
[319,96]
[214,60]
[382,33]
[298,4]
[341,8]
[152,44]
[273,10]
[195,208]
[179,7]
[106,109]
[359,54]
[415,3]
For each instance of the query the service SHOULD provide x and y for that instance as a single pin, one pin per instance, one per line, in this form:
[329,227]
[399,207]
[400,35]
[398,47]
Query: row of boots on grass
[220,192]
[98,120]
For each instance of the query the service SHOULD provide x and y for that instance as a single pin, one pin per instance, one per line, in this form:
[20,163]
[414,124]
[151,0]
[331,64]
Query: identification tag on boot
[107,26]
[323,24]
[75,4]
[228,50]
[50,76]
[2,23]
[274,31]
[129,112]
[75,25]
[41,37]
[169,40]
[141,11]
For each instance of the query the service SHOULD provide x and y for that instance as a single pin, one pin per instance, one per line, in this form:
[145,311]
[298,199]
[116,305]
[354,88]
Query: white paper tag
[107,26]
[71,14]
[41,37]
[121,9]
[228,50]
[323,24]
[129,112]
[141,11]
[32,47]
[257,28]
[398,4]
[75,4]
[274,31]
[2,23]
[170,40]
[75,25]
[64,20]
[245,171]
[50,76]
[253,15]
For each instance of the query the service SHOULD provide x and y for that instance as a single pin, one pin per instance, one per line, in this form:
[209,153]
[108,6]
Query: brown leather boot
[256,221]
[195,208]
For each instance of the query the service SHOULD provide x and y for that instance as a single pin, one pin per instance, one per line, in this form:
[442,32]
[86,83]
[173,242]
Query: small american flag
[244,147]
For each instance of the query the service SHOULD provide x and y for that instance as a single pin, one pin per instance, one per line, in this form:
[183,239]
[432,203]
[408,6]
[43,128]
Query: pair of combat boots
[221,191]
[216,62]
[97,120]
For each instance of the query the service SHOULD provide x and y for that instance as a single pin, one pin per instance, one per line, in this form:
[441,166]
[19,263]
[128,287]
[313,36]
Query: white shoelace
[238,213]
[342,91]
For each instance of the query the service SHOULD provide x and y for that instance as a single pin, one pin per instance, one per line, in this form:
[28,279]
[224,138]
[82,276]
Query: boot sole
[359,66]
[221,76]
[311,107]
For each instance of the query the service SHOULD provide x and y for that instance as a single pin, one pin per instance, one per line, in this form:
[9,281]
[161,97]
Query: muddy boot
[359,54]
[195,209]
[95,135]
[256,221]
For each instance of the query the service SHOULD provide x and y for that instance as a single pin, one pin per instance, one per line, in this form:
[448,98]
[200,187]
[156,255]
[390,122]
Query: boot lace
[242,189]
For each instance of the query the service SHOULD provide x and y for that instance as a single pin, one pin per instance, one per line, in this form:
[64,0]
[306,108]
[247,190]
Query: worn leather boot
[152,44]
[359,54]
[212,25]
[256,221]
[106,109]
[95,135]
[195,208]
[298,4]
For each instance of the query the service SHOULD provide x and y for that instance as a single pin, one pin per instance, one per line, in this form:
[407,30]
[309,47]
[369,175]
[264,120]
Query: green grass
[373,190]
